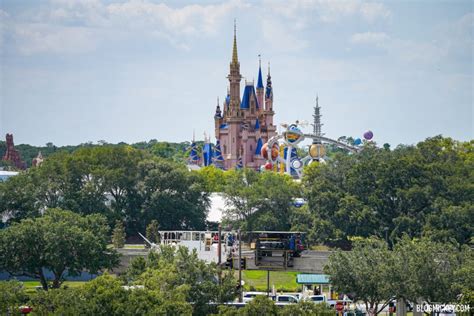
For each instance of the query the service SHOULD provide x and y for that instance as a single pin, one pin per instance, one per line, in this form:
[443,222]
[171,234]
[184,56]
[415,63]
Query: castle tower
[260,88]
[271,129]
[244,123]
[234,78]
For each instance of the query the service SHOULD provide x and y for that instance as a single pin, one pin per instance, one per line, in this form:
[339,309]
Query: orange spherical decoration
[264,151]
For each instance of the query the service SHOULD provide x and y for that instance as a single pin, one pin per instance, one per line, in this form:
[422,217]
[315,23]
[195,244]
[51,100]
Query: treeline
[423,190]
[119,182]
[174,151]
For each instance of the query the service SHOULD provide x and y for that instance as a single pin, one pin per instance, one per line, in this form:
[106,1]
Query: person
[230,240]
[316,290]
[292,243]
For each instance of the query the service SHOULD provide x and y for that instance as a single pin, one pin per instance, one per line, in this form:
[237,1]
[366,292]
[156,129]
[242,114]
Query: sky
[134,70]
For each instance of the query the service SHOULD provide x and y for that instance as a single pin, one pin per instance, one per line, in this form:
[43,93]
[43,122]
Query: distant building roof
[312,279]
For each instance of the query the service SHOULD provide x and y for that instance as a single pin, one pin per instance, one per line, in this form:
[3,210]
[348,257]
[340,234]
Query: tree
[362,272]
[60,241]
[118,235]
[12,296]
[172,269]
[260,200]
[62,301]
[304,308]
[172,195]
[416,270]
[394,192]
[117,181]
[152,232]
[423,270]
[260,305]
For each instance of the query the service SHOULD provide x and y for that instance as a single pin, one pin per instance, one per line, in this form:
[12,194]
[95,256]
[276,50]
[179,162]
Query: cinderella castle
[242,124]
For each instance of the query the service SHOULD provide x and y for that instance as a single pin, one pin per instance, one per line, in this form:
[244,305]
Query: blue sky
[133,70]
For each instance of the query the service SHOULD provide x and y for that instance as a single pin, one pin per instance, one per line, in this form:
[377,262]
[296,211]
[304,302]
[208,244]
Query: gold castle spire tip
[235,58]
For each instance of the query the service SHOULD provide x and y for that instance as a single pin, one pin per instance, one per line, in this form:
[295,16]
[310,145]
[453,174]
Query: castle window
[225,149]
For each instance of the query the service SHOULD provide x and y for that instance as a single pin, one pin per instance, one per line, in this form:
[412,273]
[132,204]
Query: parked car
[286,299]
[316,299]
[248,296]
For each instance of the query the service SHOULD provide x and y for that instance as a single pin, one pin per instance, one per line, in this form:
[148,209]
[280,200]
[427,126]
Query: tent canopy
[312,279]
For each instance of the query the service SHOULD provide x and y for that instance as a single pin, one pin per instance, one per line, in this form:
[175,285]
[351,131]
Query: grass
[30,286]
[282,280]
[130,246]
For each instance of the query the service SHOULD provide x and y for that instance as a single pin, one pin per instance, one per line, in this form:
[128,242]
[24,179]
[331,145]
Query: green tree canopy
[409,190]
[260,201]
[119,182]
[60,241]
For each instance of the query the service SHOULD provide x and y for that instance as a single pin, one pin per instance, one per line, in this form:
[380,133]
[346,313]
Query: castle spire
[269,90]
[260,80]
[235,58]
[234,78]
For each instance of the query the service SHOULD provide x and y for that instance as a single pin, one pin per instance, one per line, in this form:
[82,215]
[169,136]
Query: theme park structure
[247,137]
[281,153]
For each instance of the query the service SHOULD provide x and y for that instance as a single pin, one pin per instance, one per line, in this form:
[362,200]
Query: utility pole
[240,266]
[219,245]
[268,283]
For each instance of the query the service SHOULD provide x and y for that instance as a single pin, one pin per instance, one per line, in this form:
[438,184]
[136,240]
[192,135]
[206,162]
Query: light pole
[240,266]
[219,245]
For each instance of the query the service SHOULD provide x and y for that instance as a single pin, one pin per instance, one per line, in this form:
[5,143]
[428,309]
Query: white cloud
[280,37]
[43,38]
[376,38]
[68,26]
[327,11]
[372,11]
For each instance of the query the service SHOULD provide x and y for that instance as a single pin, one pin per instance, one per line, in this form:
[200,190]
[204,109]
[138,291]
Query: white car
[316,299]
[286,299]
[248,296]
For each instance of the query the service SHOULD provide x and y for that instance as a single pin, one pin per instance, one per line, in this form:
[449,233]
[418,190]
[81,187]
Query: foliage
[415,269]
[106,295]
[172,269]
[260,201]
[304,308]
[12,296]
[118,182]
[362,272]
[172,151]
[425,189]
[152,232]
[62,301]
[118,235]
[60,241]
[214,178]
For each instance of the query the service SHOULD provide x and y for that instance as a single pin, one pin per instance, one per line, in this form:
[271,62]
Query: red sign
[339,306]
